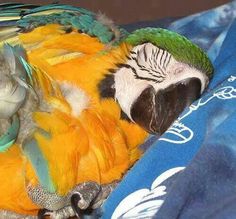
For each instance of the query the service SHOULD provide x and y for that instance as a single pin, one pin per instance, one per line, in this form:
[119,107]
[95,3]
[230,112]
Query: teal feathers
[69,17]
[15,76]
[85,23]
[16,58]
[32,151]
[10,136]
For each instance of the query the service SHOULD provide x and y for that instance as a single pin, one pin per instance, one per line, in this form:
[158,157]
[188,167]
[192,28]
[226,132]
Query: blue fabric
[206,188]
[190,171]
[207,29]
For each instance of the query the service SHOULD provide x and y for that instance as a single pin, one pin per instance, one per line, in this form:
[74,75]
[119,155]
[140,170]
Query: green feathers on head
[180,47]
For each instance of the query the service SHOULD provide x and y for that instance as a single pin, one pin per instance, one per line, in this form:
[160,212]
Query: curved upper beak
[156,111]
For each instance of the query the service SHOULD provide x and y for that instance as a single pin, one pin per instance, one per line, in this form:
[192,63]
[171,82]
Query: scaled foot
[88,195]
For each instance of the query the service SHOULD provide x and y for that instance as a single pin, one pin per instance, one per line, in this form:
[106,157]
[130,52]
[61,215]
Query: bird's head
[164,73]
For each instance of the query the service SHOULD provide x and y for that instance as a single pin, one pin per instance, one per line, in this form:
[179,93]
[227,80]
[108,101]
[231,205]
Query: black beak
[75,198]
[155,112]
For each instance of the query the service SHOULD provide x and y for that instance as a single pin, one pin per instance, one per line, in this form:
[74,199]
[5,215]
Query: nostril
[178,70]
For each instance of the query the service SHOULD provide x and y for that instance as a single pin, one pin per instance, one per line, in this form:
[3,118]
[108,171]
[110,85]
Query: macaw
[78,96]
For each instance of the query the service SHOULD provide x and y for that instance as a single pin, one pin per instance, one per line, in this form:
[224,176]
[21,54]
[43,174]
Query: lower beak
[155,112]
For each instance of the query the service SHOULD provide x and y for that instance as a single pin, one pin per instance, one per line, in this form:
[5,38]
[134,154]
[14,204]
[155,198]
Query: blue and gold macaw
[78,96]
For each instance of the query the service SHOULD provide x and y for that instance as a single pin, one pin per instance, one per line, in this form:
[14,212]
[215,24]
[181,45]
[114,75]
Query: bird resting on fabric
[78,95]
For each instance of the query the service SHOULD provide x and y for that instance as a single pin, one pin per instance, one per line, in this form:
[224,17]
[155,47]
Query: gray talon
[42,213]
[81,197]
[106,190]
[63,213]
[87,193]
[4,214]
[75,198]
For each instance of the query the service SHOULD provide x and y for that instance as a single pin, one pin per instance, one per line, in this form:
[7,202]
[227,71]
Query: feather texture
[19,17]
[13,83]
[78,132]
[179,46]
[8,139]
[96,140]
[12,170]
[32,152]
[86,140]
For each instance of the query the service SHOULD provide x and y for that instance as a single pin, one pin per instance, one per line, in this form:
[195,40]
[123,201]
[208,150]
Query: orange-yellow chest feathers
[13,193]
[88,139]
[72,57]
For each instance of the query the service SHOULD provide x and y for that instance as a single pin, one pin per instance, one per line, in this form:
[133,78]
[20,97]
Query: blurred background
[129,11]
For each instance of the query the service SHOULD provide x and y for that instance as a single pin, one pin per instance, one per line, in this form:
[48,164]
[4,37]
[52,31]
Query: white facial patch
[177,72]
[76,97]
[149,65]
[128,88]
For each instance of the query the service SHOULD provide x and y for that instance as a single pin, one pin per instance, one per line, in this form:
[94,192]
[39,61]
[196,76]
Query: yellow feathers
[91,148]
[96,145]
[13,194]
[92,145]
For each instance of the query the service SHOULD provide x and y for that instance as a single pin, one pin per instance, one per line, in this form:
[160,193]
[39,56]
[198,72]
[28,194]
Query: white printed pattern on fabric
[179,133]
[145,203]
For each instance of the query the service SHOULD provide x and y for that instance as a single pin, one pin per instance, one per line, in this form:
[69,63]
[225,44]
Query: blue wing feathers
[34,154]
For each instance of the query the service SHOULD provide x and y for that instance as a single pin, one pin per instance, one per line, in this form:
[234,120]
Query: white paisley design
[144,203]
[231,78]
[179,133]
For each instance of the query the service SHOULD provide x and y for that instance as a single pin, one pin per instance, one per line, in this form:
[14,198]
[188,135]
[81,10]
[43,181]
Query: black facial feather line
[153,66]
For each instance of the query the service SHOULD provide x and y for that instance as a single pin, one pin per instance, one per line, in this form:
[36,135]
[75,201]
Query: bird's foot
[90,195]
[85,196]
[62,213]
